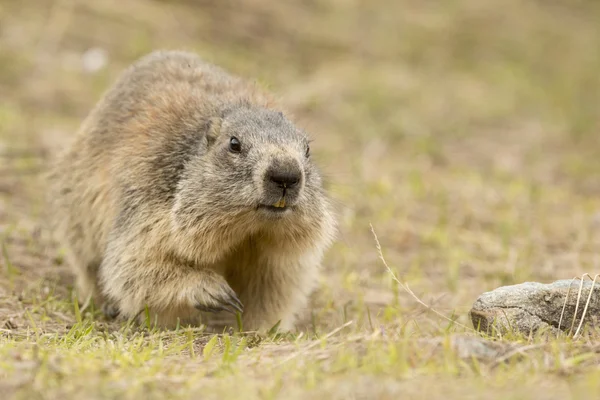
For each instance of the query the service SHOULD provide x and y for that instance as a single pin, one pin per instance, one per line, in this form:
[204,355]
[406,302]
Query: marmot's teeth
[280,203]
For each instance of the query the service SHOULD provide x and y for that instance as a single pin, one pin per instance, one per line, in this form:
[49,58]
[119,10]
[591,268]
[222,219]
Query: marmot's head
[254,169]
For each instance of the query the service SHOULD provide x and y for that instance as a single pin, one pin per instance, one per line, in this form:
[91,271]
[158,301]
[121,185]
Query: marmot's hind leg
[110,310]
[86,283]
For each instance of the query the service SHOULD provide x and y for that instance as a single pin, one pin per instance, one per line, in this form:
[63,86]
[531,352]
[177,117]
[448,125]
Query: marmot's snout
[283,181]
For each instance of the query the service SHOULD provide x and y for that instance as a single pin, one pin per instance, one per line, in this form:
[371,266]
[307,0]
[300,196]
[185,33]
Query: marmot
[188,192]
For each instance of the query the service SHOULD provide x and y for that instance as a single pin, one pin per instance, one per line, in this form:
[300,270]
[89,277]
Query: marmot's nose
[285,179]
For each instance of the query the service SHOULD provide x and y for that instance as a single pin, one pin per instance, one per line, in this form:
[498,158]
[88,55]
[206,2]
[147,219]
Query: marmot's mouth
[273,208]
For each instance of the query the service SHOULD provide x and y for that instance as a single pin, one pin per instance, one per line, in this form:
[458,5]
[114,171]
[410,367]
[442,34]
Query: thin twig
[562,313]
[407,289]
[587,303]
[576,305]
[518,350]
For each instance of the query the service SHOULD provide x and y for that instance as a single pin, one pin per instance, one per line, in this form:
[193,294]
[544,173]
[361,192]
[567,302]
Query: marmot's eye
[234,145]
[307,154]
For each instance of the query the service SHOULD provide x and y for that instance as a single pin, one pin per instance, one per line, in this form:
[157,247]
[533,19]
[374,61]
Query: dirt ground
[465,132]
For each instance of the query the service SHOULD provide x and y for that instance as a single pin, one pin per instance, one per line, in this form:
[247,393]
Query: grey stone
[531,306]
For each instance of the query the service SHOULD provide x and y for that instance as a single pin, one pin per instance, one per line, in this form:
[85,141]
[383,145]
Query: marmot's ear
[212,129]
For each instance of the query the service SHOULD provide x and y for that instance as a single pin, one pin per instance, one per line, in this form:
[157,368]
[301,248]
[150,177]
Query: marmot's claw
[224,300]
[236,305]
[234,301]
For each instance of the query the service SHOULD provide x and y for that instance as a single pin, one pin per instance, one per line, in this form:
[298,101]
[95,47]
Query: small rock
[469,347]
[531,306]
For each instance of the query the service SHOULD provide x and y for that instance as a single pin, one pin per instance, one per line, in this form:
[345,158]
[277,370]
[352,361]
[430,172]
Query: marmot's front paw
[216,295]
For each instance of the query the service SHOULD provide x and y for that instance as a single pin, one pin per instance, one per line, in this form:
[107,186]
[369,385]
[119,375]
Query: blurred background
[465,131]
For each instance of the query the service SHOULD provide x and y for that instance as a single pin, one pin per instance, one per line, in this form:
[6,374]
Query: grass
[463,132]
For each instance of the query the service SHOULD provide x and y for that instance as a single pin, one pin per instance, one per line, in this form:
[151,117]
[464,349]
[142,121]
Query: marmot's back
[180,167]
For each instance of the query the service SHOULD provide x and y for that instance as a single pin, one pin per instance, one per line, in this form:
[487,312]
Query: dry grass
[464,131]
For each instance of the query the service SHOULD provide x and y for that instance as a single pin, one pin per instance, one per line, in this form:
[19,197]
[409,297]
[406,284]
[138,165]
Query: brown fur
[155,209]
